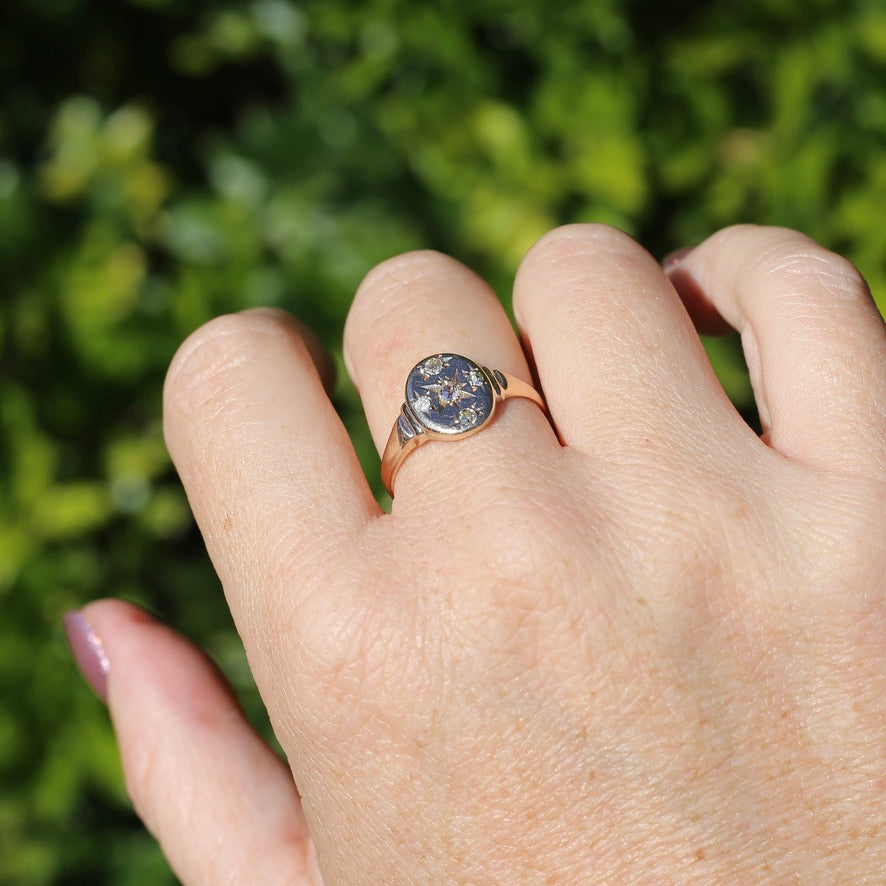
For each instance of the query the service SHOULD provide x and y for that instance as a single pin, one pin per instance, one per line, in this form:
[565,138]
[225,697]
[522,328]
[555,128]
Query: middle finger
[424,303]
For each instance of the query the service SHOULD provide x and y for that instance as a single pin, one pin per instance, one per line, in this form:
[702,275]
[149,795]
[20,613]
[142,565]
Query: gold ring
[447,397]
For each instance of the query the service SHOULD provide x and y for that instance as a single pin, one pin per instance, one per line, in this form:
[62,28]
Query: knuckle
[805,266]
[848,551]
[580,241]
[142,780]
[581,257]
[339,640]
[737,233]
[527,571]
[788,262]
[354,665]
[525,555]
[391,304]
[400,285]
[391,277]
[210,354]
[327,635]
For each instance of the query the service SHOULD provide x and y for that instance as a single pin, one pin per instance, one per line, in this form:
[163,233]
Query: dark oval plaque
[449,394]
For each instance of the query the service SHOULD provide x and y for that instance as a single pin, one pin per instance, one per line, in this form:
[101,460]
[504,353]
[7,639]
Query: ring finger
[425,303]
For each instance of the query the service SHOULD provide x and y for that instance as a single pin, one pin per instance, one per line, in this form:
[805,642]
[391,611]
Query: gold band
[447,397]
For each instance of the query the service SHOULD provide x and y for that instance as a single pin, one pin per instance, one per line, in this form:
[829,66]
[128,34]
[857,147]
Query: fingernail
[672,259]
[88,652]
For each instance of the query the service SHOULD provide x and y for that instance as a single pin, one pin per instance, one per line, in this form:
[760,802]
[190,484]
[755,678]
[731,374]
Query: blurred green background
[164,161]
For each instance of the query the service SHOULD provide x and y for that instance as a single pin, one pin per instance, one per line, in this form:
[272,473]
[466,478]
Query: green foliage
[162,162]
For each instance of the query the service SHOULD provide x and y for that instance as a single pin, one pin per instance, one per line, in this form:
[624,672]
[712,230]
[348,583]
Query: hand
[646,648]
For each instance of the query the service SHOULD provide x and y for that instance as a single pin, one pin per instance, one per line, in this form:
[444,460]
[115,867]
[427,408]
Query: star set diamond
[449,394]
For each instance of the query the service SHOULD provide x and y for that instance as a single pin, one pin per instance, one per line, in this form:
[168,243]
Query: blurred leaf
[162,162]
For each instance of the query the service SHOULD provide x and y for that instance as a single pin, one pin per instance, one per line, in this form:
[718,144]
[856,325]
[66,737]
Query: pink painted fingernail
[672,259]
[88,652]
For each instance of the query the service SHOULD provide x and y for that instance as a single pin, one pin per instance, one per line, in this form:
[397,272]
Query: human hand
[650,651]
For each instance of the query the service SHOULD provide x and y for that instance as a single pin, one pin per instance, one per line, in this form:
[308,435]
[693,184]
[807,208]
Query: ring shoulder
[407,426]
[497,381]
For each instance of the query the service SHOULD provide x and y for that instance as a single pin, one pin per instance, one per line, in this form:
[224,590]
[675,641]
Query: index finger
[267,465]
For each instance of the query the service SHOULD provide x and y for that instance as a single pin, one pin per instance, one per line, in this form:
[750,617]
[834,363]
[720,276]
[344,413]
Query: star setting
[449,394]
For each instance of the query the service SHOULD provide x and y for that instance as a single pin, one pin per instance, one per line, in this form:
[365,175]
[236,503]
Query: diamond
[432,366]
[467,417]
[475,378]
[422,404]
[449,392]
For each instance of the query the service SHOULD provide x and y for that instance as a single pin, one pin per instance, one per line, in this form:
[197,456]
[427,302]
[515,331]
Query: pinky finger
[222,805]
[814,341]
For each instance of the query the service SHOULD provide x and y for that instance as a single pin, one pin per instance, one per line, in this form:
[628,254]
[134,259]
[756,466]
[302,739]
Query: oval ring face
[449,394]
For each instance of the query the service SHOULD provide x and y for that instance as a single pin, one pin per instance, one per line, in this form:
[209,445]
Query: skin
[641,646]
